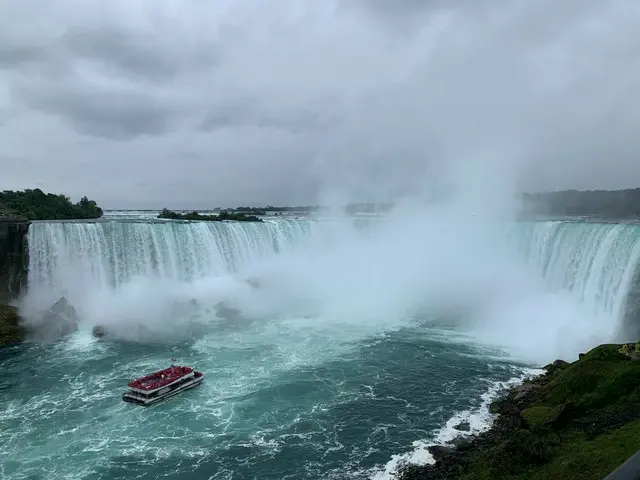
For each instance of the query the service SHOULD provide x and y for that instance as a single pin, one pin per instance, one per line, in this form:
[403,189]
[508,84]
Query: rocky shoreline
[578,420]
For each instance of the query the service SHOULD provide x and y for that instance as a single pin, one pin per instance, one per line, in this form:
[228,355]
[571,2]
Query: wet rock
[522,391]
[495,407]
[504,406]
[462,443]
[228,313]
[440,451]
[59,321]
[463,426]
[99,331]
[556,366]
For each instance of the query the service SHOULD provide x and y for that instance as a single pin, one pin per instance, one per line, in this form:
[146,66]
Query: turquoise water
[295,406]
[330,370]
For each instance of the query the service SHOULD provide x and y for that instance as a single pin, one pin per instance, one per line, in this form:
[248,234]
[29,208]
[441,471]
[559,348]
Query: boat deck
[160,378]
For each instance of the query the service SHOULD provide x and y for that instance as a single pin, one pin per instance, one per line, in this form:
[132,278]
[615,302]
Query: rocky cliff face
[14,258]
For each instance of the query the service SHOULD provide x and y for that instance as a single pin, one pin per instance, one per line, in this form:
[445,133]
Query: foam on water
[479,420]
[317,345]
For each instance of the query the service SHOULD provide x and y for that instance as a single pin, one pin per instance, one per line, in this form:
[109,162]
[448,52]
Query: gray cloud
[402,16]
[13,56]
[112,113]
[135,53]
[216,103]
[252,113]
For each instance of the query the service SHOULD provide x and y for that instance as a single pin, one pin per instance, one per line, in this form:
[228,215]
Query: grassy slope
[580,421]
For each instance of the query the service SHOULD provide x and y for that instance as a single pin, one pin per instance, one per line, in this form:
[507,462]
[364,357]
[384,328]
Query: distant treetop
[36,205]
[613,204]
[239,217]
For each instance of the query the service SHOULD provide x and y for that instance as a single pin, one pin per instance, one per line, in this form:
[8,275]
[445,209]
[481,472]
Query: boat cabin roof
[160,378]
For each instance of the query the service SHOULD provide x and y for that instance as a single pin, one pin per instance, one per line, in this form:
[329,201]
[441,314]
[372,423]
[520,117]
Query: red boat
[162,384]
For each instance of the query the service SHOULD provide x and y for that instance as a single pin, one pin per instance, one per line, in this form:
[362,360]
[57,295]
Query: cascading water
[323,394]
[108,254]
[594,262]
[77,259]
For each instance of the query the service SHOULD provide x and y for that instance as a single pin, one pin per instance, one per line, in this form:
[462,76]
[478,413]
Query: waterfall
[104,255]
[595,263]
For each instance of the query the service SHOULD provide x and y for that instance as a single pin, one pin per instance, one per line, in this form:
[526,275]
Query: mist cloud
[238,102]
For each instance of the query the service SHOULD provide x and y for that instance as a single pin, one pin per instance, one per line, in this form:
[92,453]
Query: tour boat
[162,384]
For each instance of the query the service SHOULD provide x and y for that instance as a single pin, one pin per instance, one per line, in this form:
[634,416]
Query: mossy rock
[607,352]
[601,377]
[630,350]
[556,365]
[11,331]
[541,416]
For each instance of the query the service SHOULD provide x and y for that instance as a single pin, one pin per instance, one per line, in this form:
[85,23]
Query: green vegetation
[240,217]
[578,421]
[37,205]
[244,210]
[10,329]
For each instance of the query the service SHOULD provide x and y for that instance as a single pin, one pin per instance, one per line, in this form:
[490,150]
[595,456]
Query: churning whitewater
[331,348]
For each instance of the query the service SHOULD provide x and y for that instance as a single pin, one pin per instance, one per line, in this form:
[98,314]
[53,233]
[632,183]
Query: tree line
[34,204]
[603,203]
[219,217]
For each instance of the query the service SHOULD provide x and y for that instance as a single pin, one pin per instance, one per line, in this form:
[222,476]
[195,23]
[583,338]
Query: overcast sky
[153,103]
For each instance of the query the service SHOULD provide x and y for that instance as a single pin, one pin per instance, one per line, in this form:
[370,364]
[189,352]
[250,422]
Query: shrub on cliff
[37,205]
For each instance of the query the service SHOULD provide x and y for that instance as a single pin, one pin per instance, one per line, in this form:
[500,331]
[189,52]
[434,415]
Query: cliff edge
[14,264]
[14,258]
